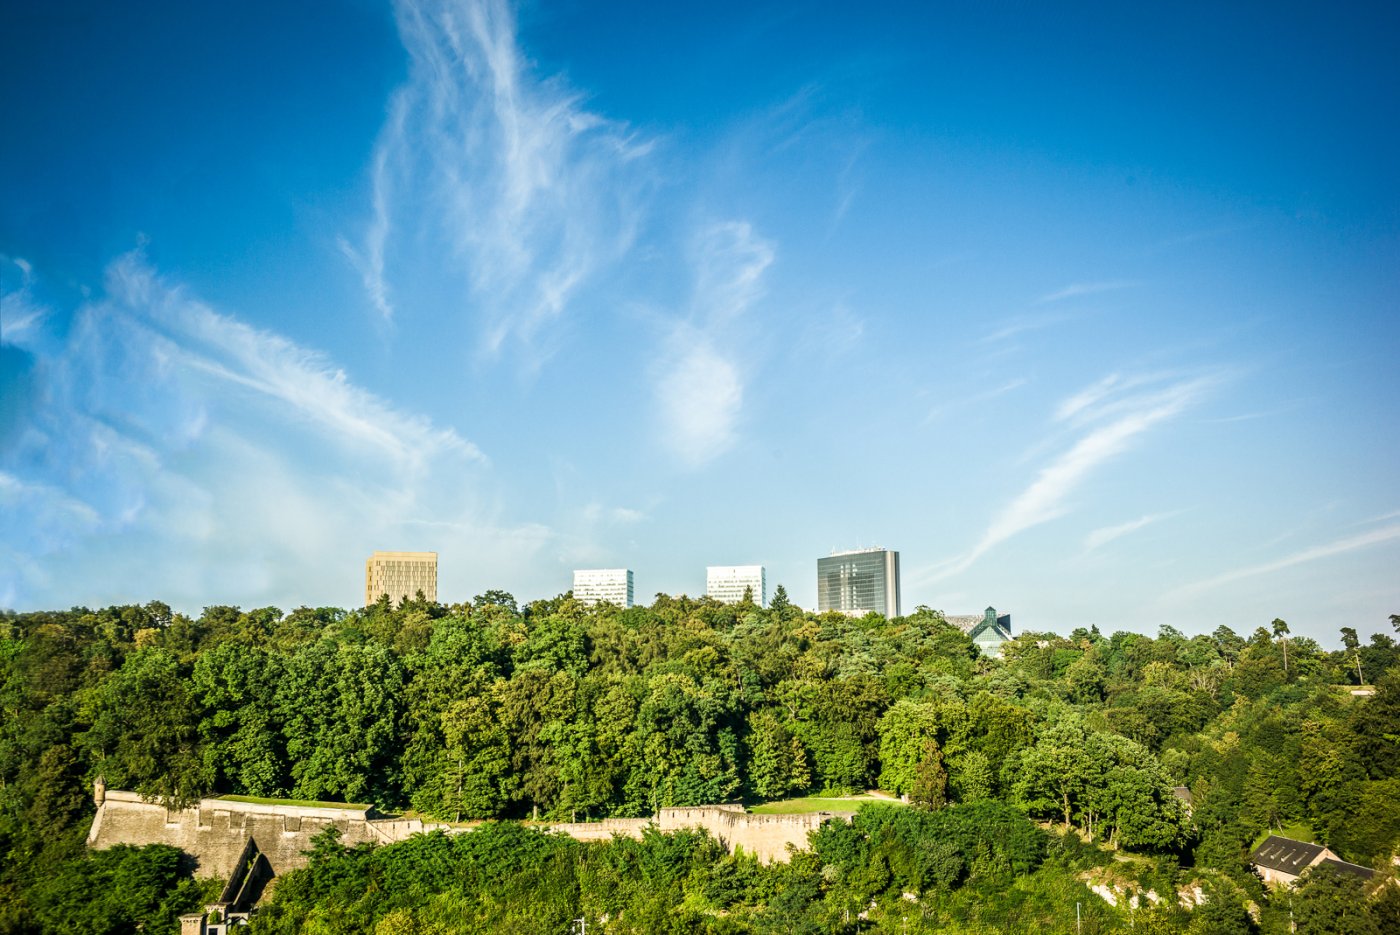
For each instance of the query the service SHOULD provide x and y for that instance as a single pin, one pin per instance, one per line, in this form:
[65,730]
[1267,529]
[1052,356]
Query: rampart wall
[766,836]
[601,830]
[214,831]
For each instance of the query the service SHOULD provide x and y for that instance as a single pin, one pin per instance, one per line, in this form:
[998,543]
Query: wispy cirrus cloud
[944,408]
[20,314]
[1019,325]
[699,385]
[1109,416]
[368,258]
[200,340]
[1197,236]
[1104,396]
[538,198]
[167,449]
[1101,537]
[1365,540]
[1076,289]
[532,193]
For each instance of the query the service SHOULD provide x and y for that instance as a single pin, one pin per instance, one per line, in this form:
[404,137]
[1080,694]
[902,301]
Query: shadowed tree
[1353,645]
[1331,903]
[1281,633]
[930,790]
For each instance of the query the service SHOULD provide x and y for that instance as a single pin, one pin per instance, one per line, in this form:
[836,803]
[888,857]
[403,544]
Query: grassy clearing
[300,803]
[1298,831]
[816,803]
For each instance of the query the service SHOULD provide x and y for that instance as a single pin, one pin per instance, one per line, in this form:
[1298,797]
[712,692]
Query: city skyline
[1082,308]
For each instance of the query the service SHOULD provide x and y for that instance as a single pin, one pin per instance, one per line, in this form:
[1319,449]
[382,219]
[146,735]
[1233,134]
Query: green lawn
[300,803]
[1301,831]
[816,803]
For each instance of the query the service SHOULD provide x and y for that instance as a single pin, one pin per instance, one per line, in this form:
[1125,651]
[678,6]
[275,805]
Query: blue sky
[1092,314]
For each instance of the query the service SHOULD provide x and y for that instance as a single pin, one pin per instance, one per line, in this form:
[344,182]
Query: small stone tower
[99,790]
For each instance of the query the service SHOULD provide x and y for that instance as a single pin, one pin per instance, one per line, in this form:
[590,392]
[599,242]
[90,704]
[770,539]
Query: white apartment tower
[400,575]
[613,585]
[727,583]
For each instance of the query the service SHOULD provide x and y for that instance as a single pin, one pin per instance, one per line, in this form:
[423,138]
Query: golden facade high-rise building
[400,575]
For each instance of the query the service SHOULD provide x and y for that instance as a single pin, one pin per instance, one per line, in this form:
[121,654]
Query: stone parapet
[766,836]
[603,830]
[216,831]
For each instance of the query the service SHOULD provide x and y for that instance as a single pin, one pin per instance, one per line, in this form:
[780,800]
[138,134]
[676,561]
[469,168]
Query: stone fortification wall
[766,836]
[215,830]
[601,830]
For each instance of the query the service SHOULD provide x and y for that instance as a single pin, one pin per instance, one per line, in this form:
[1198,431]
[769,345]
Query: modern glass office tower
[858,582]
[728,583]
[613,585]
[400,575]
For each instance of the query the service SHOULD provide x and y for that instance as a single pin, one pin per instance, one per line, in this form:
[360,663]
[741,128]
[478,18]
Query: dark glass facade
[858,582]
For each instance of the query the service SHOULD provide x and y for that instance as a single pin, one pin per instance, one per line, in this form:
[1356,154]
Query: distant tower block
[401,575]
[593,585]
[859,582]
[727,583]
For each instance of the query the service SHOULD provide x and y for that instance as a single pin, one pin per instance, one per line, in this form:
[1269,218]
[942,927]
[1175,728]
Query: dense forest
[1030,778]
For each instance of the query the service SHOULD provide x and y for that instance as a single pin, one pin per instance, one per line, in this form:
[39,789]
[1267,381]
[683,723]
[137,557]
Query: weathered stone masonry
[215,831]
[765,836]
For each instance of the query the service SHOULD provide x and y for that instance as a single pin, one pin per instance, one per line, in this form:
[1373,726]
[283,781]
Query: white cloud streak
[1103,536]
[699,394]
[943,409]
[369,259]
[19,315]
[301,380]
[698,382]
[532,193]
[1077,289]
[170,450]
[1365,540]
[1114,422]
[536,199]
[1020,325]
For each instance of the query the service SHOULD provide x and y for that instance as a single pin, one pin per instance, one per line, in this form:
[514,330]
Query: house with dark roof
[1283,860]
[1341,866]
